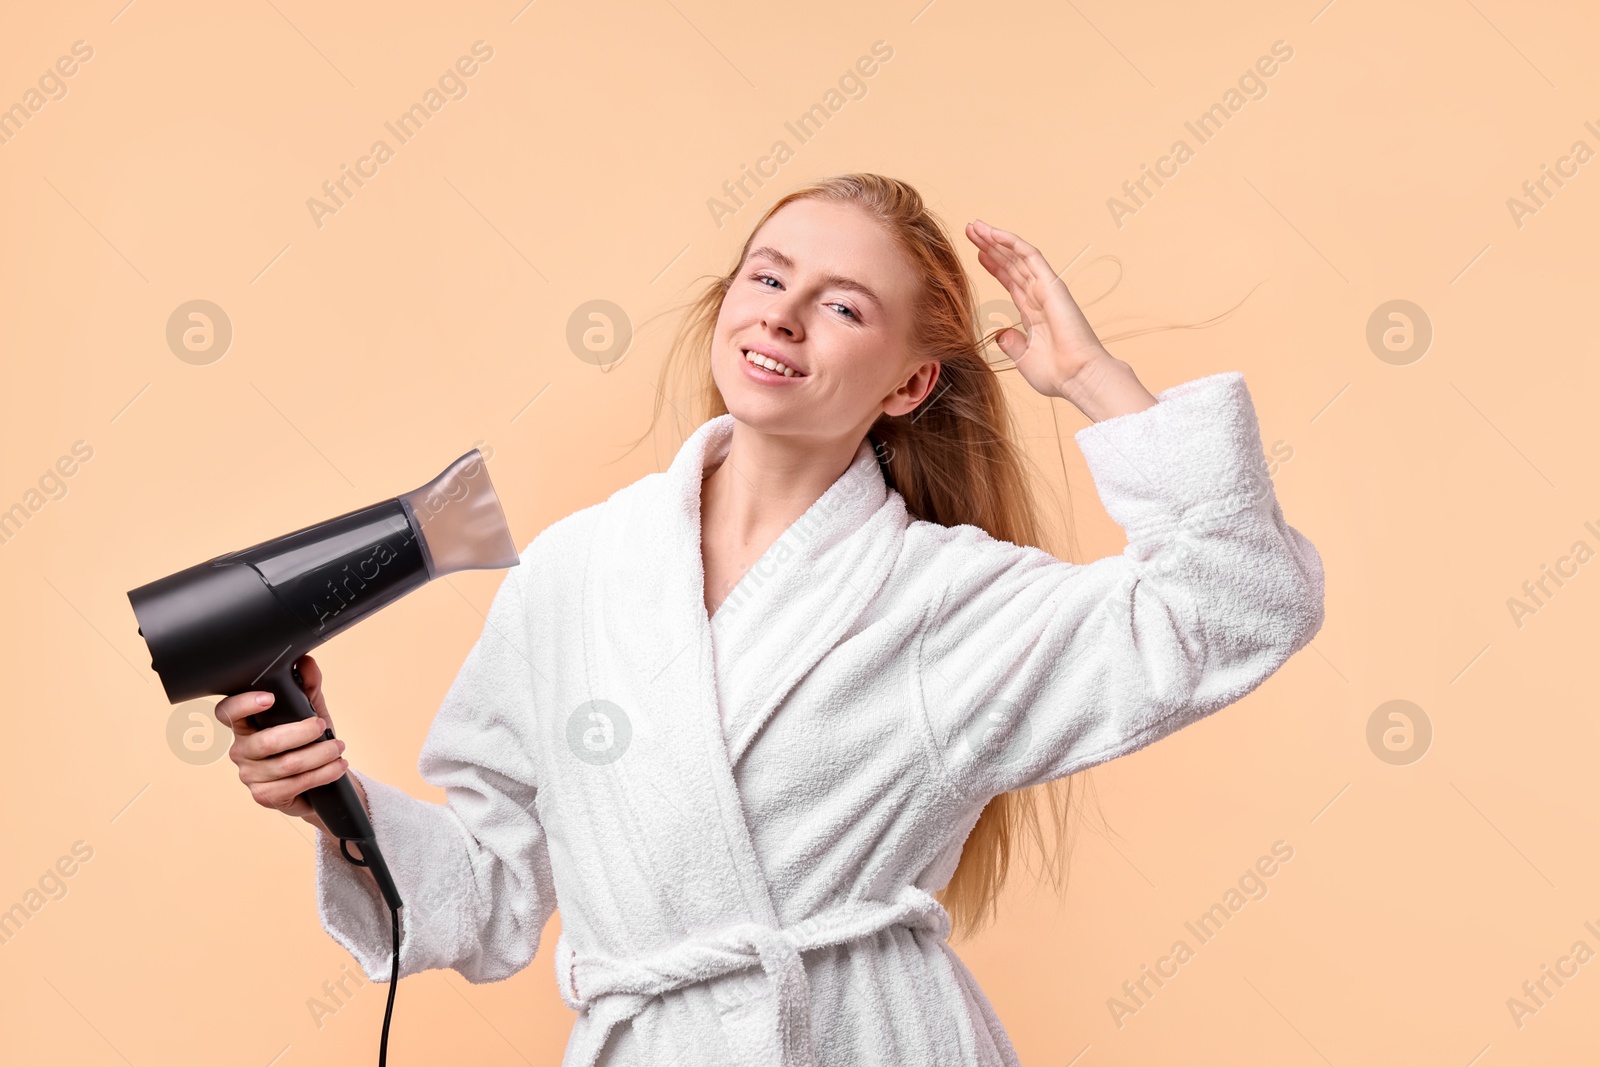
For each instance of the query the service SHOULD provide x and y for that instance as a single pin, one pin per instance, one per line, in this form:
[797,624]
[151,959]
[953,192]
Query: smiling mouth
[768,363]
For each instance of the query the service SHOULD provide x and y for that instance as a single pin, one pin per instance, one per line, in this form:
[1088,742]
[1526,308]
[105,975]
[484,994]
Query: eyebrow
[838,281]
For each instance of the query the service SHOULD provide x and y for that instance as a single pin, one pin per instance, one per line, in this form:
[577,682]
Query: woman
[744,792]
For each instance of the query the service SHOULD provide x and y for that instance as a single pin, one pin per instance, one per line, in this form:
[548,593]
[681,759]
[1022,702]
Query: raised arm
[475,871]
[1033,668]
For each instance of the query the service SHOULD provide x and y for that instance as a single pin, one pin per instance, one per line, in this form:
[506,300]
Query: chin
[768,414]
[759,407]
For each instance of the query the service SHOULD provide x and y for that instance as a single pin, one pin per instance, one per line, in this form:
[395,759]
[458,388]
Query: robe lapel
[794,603]
[646,588]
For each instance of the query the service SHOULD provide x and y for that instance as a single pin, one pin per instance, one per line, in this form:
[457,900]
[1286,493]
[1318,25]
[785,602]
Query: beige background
[430,313]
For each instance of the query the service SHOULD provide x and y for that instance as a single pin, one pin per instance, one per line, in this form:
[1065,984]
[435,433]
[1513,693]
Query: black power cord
[394,981]
[394,970]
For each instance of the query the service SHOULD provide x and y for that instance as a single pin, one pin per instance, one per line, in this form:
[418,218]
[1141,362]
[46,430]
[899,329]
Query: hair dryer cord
[394,971]
[394,980]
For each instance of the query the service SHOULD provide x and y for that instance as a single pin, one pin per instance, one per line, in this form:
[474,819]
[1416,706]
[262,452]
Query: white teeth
[770,364]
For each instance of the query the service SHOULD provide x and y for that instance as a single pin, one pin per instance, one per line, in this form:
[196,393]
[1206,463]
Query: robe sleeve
[473,872]
[1032,668]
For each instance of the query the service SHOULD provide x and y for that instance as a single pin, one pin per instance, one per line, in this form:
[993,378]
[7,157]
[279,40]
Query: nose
[780,314]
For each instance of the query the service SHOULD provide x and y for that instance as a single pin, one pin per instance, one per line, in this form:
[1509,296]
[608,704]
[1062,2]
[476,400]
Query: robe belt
[613,990]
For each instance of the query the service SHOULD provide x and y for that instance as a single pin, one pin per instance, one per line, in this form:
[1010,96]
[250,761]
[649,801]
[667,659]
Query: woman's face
[825,291]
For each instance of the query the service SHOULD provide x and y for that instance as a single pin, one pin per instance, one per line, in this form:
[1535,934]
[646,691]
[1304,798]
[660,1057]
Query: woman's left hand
[1059,354]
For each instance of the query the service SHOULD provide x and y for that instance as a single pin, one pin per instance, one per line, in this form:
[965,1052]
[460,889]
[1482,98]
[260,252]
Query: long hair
[955,459]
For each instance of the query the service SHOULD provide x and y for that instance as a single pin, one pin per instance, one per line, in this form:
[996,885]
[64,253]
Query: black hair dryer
[239,622]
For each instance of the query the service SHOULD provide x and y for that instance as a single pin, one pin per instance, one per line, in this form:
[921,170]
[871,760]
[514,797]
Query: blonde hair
[955,459]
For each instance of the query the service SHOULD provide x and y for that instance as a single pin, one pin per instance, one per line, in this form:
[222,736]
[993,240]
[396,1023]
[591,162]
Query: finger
[996,262]
[310,673]
[293,763]
[283,793]
[1014,272]
[1000,244]
[1040,296]
[1020,296]
[1011,243]
[1013,343]
[276,740]
[1047,298]
[298,761]
[1025,261]
[311,684]
[234,711]
[1005,270]
[995,258]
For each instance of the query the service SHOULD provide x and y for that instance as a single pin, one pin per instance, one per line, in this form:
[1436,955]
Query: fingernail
[341,745]
[264,699]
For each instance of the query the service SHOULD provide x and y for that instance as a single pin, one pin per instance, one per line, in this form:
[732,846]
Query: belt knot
[626,984]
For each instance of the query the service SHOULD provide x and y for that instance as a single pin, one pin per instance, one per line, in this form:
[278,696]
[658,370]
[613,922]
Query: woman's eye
[769,278]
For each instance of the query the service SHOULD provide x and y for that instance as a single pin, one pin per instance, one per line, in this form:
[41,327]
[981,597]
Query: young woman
[744,719]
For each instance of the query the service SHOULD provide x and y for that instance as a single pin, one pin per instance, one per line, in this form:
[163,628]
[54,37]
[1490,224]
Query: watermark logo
[1399,332]
[998,733]
[194,733]
[789,547]
[348,984]
[599,332]
[451,85]
[1166,565]
[1537,992]
[52,486]
[1399,732]
[1538,192]
[598,732]
[997,315]
[199,332]
[1539,591]
[738,192]
[51,886]
[52,86]
[1250,886]
[1137,192]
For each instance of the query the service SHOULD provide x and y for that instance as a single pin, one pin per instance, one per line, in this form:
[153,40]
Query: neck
[766,482]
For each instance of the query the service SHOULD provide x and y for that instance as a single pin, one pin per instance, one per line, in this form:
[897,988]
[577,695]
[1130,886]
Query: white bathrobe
[760,893]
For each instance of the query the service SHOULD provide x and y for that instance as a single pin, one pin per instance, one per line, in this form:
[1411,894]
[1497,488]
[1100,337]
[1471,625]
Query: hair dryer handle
[336,803]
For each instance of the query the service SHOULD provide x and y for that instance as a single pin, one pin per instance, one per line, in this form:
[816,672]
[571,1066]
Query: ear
[914,390]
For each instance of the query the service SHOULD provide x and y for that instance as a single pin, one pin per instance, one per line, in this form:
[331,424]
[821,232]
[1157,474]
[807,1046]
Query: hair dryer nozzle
[459,518]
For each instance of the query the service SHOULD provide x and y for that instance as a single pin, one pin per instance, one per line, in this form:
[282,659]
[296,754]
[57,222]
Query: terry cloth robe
[761,893]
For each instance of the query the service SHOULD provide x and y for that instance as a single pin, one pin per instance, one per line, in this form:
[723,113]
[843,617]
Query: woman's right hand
[281,762]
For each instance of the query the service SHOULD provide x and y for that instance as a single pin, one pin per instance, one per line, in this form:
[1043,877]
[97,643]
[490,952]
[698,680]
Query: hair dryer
[239,622]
